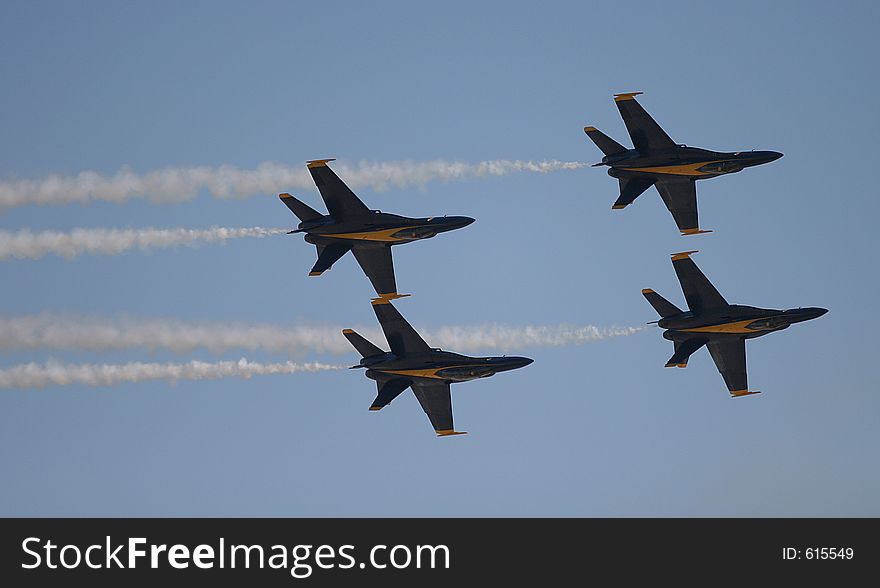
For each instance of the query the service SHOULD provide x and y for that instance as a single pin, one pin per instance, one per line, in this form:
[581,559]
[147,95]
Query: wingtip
[449,433]
[315,273]
[626,96]
[375,408]
[590,129]
[347,331]
[618,206]
[388,297]
[738,393]
[284,195]
[686,232]
[319,162]
[647,291]
[682,255]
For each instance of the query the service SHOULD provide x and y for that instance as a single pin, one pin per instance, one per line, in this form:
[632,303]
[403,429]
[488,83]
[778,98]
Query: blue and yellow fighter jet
[351,226]
[720,326]
[429,371]
[657,160]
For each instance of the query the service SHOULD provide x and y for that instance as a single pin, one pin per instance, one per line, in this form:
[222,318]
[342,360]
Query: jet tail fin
[663,307]
[364,347]
[302,210]
[608,145]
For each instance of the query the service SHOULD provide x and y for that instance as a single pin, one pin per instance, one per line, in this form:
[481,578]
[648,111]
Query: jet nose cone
[518,362]
[458,222]
[762,157]
[808,314]
[816,312]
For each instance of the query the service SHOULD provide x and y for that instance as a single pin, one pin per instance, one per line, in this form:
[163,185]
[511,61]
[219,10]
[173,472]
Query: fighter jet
[368,234]
[429,371]
[722,327]
[656,160]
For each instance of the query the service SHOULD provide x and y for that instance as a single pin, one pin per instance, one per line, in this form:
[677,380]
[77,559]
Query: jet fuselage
[684,161]
[439,365]
[379,227]
[746,322]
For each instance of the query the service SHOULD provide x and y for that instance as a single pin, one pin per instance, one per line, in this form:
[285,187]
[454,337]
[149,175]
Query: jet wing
[340,200]
[698,290]
[436,401]
[376,261]
[388,391]
[680,197]
[729,354]
[401,336]
[327,256]
[646,134]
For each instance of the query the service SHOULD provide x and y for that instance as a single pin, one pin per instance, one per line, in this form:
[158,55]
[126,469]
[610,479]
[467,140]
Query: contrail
[25,244]
[34,375]
[184,183]
[50,331]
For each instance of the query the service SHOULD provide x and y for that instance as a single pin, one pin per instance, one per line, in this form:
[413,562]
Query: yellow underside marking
[690,169]
[589,129]
[383,235]
[431,373]
[735,327]
[424,373]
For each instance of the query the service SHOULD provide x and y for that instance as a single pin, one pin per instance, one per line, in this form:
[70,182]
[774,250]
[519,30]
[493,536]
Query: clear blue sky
[597,430]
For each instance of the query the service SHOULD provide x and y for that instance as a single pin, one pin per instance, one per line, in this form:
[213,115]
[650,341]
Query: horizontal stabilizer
[327,256]
[364,347]
[302,210]
[608,145]
[388,391]
[683,351]
[630,189]
[663,307]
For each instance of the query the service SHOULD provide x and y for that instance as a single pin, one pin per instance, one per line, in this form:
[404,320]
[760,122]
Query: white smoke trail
[94,334]
[513,337]
[182,184]
[26,244]
[34,375]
